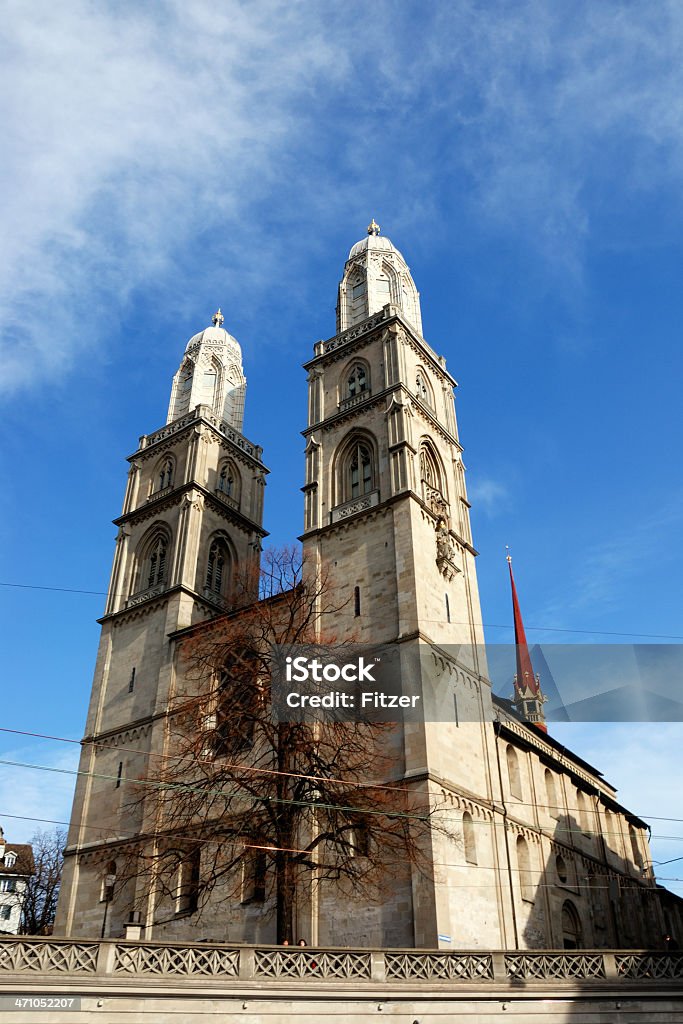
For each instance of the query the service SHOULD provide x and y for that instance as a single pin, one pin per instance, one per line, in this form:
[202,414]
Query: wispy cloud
[140,140]
[601,574]
[490,496]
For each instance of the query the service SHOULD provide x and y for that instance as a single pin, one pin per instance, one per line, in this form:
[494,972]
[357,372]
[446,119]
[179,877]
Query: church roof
[213,333]
[374,242]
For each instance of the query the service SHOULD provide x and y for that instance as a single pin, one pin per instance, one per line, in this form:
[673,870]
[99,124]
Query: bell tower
[387,516]
[190,528]
[385,482]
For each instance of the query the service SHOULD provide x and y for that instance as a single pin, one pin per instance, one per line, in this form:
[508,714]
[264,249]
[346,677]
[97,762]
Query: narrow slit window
[119,775]
[448,609]
[356,601]
[131,681]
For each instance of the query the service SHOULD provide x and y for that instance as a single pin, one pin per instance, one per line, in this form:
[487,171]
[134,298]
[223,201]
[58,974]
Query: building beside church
[546,855]
[16,869]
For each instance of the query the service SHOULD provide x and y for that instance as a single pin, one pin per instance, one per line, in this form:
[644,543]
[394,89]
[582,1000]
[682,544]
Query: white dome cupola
[376,274]
[211,374]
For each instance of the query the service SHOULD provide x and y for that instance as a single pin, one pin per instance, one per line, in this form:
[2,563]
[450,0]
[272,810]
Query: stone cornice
[152,445]
[340,415]
[353,337]
[152,508]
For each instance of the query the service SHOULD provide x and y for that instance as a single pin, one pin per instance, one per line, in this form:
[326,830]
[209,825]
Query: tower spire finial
[217,318]
[528,697]
[373,227]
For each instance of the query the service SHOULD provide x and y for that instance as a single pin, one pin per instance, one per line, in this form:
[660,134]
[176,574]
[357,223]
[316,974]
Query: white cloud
[488,495]
[135,136]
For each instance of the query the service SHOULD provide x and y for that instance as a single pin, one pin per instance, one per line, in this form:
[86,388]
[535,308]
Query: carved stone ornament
[445,551]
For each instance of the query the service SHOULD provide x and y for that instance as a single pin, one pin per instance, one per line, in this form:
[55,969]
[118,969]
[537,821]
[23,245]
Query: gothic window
[187,892]
[186,376]
[356,382]
[359,839]
[164,475]
[423,387]
[551,793]
[561,869]
[635,848]
[359,474]
[217,568]
[582,808]
[514,777]
[431,479]
[469,837]
[571,926]
[524,867]
[254,877]
[358,289]
[228,481]
[156,562]
[238,702]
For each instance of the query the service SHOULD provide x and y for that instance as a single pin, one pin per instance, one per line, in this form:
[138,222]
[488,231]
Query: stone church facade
[546,856]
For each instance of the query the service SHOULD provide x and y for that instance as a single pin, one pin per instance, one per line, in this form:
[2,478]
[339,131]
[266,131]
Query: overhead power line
[397,788]
[485,625]
[313,804]
[197,841]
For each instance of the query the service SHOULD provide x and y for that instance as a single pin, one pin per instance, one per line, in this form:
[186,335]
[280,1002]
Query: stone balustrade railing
[32,957]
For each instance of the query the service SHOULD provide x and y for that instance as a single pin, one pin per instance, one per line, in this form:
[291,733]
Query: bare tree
[246,807]
[42,889]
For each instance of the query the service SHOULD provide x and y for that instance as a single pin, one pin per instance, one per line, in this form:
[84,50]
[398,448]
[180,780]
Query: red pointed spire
[526,683]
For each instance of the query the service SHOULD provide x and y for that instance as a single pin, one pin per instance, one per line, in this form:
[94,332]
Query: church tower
[191,525]
[387,516]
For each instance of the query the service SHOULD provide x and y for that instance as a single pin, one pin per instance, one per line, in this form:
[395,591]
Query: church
[542,854]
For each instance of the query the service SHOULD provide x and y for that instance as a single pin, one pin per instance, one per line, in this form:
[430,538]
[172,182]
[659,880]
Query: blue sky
[527,159]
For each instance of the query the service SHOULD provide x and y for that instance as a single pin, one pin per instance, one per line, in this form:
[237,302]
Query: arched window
[635,848]
[561,868]
[189,874]
[610,831]
[524,865]
[164,477]
[551,794]
[156,562]
[357,381]
[238,704]
[228,480]
[469,837]
[514,777]
[571,926]
[423,387]
[359,472]
[582,809]
[218,568]
[432,484]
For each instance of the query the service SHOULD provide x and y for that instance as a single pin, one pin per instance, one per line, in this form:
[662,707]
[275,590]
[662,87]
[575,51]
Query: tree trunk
[284,898]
